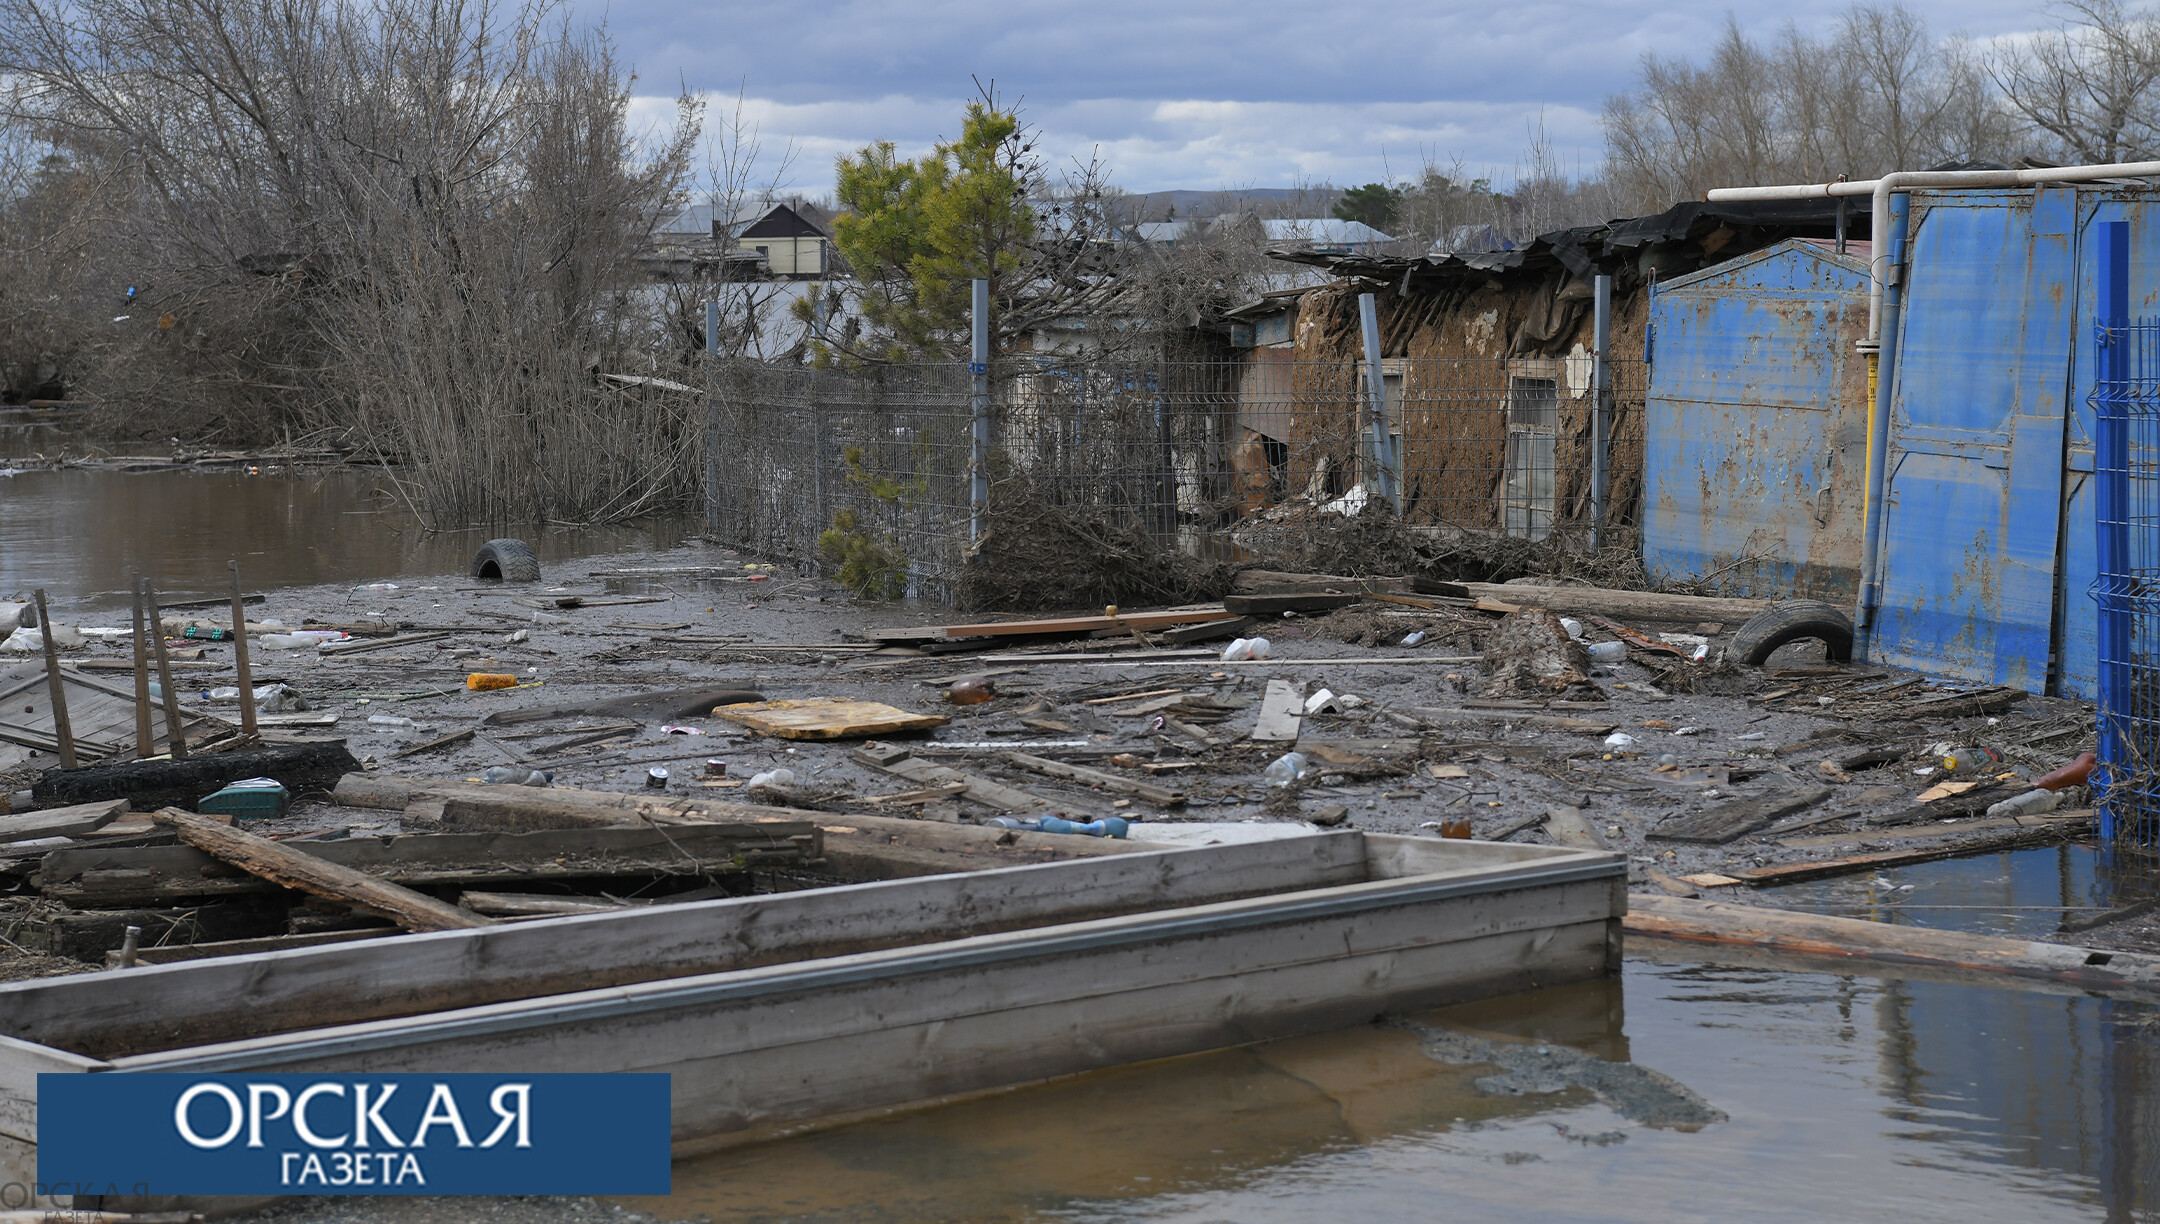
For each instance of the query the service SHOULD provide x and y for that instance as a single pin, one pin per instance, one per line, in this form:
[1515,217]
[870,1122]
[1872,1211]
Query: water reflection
[2019,893]
[82,534]
[1848,1098]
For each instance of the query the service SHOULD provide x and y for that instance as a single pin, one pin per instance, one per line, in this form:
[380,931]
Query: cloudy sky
[1196,93]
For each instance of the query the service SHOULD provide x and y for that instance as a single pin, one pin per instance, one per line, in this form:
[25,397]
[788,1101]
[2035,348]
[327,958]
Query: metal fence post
[712,418]
[712,328]
[2116,585]
[1600,406]
[1378,431]
[1893,230]
[979,447]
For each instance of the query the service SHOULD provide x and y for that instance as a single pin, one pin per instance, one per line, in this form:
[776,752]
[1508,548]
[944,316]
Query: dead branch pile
[1034,555]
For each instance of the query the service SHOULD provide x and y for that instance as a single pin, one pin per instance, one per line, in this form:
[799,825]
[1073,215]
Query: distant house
[785,243]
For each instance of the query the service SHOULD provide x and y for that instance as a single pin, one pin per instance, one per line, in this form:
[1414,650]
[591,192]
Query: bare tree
[417,220]
[2088,85]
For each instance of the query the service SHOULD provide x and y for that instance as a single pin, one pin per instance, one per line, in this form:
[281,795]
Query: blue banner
[355,1134]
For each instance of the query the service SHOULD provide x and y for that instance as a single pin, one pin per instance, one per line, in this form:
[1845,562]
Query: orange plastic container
[489,680]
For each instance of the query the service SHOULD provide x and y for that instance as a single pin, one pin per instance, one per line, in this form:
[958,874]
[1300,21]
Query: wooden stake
[62,731]
[240,656]
[143,737]
[175,739]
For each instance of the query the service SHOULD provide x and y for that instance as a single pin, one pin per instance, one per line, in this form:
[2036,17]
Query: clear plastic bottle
[513,775]
[390,720]
[1287,768]
[1609,652]
[2031,803]
[773,777]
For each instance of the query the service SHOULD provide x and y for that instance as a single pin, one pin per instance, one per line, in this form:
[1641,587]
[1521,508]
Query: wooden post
[144,739]
[175,739]
[415,911]
[62,731]
[240,656]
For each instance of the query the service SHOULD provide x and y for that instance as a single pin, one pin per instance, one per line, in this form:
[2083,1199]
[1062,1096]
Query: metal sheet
[1976,438]
[1755,429]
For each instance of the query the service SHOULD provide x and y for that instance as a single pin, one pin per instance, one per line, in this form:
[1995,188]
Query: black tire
[506,560]
[1791,621]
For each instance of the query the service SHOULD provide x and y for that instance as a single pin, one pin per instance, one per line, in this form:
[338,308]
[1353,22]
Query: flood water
[83,534]
[1848,1098]
[2024,894]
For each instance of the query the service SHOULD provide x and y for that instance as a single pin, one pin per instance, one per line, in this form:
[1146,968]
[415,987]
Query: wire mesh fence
[2126,469]
[1253,458]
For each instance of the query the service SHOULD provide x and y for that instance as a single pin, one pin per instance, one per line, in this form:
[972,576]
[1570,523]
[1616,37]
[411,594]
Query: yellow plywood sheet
[824,718]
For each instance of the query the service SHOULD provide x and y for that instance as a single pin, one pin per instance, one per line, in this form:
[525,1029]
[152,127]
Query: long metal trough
[778,1011]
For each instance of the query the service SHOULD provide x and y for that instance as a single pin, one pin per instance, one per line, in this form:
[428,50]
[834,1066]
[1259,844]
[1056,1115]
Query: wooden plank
[1157,795]
[1070,624]
[281,864]
[362,981]
[537,905]
[1793,873]
[1568,827]
[177,953]
[2123,974]
[1276,605]
[1626,605]
[440,741]
[827,718]
[994,795]
[62,822]
[1281,711]
[1207,631]
[337,649]
[1737,819]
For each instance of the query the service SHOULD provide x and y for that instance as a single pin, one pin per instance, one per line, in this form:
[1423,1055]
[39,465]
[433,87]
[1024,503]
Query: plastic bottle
[390,720]
[972,691]
[1109,826]
[1968,760]
[1413,638]
[773,777]
[1609,652]
[1285,769]
[1619,741]
[2031,803]
[513,775]
[1014,822]
[1573,627]
[489,680]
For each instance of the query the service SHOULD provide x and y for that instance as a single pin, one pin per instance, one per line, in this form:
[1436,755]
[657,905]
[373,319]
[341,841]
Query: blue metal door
[1975,498]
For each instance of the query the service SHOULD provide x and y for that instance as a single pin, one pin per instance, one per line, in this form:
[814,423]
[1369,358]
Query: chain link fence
[1252,459]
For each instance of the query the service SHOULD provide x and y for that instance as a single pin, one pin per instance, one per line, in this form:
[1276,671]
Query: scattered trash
[377,586]
[715,767]
[1109,826]
[1573,627]
[1457,827]
[773,777]
[390,720]
[490,680]
[304,639]
[675,730]
[1287,768]
[522,635]
[512,775]
[2076,773]
[1412,639]
[30,641]
[2031,803]
[1694,646]
[657,777]
[1244,649]
[1609,652]
[1969,760]
[1752,735]
[1687,730]
[1323,702]
[972,691]
[252,799]
[1619,740]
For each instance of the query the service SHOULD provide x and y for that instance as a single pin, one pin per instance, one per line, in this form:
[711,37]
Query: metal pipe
[1601,403]
[1878,452]
[1378,429]
[1904,180]
[712,328]
[979,447]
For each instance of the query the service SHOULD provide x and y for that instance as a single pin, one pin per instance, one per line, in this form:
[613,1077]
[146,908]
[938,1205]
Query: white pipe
[1905,180]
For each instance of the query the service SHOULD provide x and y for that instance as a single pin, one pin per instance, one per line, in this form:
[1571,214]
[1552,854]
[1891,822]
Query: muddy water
[2022,893]
[1846,1099]
[82,534]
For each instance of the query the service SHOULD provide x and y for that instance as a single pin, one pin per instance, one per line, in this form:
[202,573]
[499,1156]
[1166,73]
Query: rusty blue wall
[1755,439]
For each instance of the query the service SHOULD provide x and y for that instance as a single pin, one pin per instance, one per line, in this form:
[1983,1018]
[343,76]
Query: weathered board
[1071,624]
[826,718]
[1280,712]
[62,822]
[1737,819]
[101,715]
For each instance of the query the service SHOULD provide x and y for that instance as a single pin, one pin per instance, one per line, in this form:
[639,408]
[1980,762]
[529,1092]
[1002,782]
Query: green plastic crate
[253,799]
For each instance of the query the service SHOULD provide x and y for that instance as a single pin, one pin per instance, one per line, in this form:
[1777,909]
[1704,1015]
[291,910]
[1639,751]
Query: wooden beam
[143,737]
[1280,713]
[62,730]
[1626,605]
[1855,940]
[1068,624]
[61,822]
[1793,873]
[1569,827]
[175,738]
[1737,819]
[1157,795]
[283,865]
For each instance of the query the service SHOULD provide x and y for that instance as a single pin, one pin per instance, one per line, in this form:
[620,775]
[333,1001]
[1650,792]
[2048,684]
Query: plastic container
[1619,741]
[773,777]
[1109,826]
[1244,649]
[2076,773]
[1457,827]
[515,775]
[390,720]
[1287,768]
[202,633]
[490,680]
[1609,652]
[2031,803]
[715,768]
[1573,627]
[253,799]
[1969,760]
[1412,639]
[972,691]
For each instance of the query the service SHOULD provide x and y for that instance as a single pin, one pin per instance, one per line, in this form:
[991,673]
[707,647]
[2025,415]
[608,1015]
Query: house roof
[781,222]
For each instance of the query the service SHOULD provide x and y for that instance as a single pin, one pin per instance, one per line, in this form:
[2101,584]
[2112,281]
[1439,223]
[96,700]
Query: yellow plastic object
[489,680]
